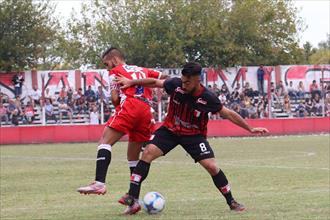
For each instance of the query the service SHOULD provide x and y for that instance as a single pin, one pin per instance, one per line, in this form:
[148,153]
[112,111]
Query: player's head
[112,57]
[191,73]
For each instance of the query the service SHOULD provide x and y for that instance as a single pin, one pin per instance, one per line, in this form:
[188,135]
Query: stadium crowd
[68,106]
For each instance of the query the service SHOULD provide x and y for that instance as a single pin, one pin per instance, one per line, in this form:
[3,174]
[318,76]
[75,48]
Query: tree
[29,35]
[168,33]
[322,54]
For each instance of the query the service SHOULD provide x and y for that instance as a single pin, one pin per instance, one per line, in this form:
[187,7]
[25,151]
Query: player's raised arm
[147,82]
[238,120]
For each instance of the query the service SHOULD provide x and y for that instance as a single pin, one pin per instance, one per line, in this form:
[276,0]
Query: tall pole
[323,92]
[269,95]
[43,110]
[102,109]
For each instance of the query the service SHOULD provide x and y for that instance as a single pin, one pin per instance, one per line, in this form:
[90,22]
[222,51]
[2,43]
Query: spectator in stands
[247,90]
[94,116]
[287,105]
[292,92]
[235,96]
[70,94]
[250,108]
[18,103]
[225,91]
[327,88]
[262,112]
[301,109]
[222,97]
[274,95]
[309,106]
[4,98]
[280,90]
[28,113]
[64,110]
[80,102]
[106,114]
[90,97]
[242,112]
[215,89]
[3,114]
[48,95]
[18,81]
[89,92]
[13,112]
[301,90]
[49,110]
[327,105]
[262,107]
[238,87]
[100,96]
[107,94]
[35,96]
[314,89]
[63,95]
[260,77]
[317,106]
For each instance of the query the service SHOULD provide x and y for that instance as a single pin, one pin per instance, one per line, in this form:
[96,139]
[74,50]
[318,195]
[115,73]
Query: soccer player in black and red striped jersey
[185,125]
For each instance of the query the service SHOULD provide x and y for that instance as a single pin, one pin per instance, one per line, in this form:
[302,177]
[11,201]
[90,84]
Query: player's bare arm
[115,98]
[147,82]
[238,120]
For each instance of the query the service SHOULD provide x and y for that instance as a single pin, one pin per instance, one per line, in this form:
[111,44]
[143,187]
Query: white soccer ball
[153,202]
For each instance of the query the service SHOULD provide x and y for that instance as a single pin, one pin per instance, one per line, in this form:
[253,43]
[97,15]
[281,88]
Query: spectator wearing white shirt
[35,96]
[94,116]
[223,99]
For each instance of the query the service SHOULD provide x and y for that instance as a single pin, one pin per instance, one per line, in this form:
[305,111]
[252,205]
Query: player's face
[190,83]
[108,63]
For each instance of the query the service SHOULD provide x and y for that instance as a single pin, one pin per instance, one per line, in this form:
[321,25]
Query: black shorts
[195,145]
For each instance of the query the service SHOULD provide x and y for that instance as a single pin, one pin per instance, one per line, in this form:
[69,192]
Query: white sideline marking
[229,163]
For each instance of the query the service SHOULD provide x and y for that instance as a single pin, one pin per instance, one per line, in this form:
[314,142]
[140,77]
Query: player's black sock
[102,162]
[221,182]
[132,164]
[140,173]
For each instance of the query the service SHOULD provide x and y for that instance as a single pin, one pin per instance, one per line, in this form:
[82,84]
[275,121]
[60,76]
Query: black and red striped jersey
[188,114]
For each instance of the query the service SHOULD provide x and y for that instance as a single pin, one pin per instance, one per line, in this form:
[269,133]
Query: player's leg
[221,182]
[163,142]
[133,154]
[109,137]
[140,173]
[199,149]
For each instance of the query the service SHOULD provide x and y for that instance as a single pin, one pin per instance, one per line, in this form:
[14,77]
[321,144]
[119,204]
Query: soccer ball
[153,202]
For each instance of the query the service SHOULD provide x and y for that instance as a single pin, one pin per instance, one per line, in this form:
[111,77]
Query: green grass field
[275,177]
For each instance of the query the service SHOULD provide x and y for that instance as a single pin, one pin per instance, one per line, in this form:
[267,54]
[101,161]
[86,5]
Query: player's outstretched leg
[102,163]
[139,174]
[110,136]
[221,182]
[131,199]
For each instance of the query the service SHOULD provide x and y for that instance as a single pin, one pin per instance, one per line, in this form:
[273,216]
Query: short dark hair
[113,52]
[191,69]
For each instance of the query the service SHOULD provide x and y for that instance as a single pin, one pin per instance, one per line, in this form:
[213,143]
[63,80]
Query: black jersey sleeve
[171,84]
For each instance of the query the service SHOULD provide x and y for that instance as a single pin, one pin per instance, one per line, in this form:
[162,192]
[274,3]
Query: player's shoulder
[208,95]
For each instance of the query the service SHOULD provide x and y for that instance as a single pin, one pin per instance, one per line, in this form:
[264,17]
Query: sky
[315,14]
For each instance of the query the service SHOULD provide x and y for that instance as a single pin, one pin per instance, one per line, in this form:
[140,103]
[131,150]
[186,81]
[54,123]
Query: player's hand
[259,130]
[123,81]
